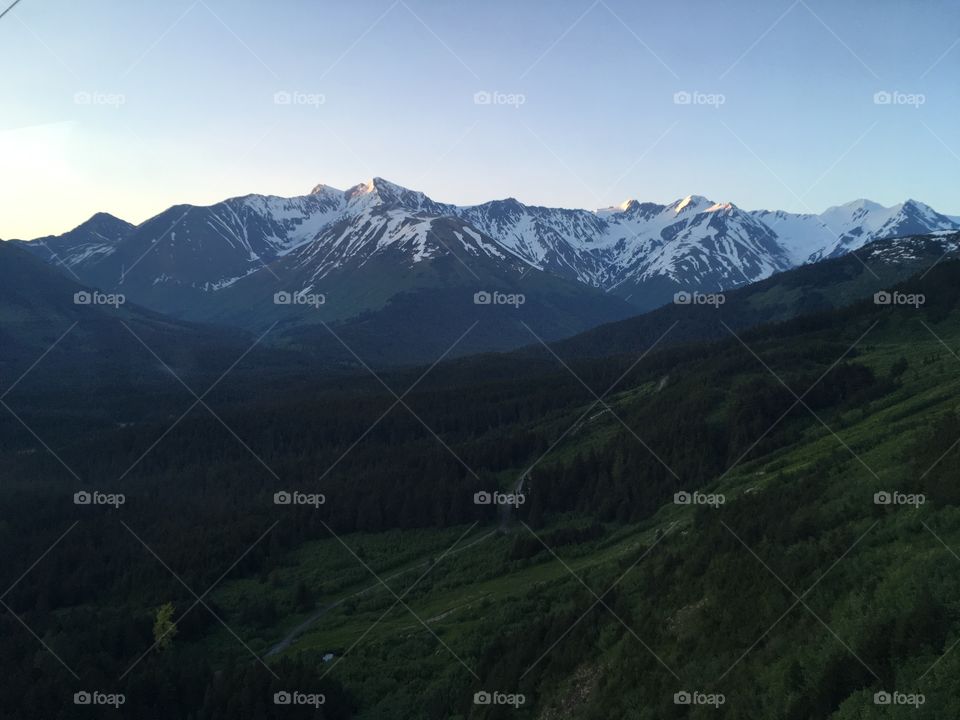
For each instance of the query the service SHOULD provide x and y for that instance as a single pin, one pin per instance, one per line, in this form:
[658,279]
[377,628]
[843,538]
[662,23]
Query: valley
[419,598]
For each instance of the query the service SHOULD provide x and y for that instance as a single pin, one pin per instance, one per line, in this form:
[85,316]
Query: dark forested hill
[791,428]
[807,289]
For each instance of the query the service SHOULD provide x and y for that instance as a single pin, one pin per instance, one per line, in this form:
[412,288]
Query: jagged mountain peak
[859,203]
[691,203]
[628,205]
[105,224]
[324,189]
[105,217]
[378,192]
[844,228]
[377,185]
[634,207]
[911,205]
[385,186]
[506,206]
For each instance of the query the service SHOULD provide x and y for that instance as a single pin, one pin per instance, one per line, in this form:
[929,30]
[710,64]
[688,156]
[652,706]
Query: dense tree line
[201,499]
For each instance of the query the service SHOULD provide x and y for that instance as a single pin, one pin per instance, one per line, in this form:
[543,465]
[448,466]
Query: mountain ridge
[377,239]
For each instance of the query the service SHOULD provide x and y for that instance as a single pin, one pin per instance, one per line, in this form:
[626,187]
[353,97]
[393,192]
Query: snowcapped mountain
[845,228]
[97,237]
[860,222]
[377,239]
[396,271]
[637,250]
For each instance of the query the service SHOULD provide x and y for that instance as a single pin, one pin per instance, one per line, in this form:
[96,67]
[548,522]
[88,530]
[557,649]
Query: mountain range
[378,254]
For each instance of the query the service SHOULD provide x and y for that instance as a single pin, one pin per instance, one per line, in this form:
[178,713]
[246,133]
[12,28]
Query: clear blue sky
[798,128]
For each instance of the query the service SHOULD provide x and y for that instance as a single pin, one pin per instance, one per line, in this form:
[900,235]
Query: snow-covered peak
[691,203]
[378,192]
[840,217]
[858,204]
[384,189]
[873,217]
[359,190]
[923,210]
[631,208]
[323,189]
[843,228]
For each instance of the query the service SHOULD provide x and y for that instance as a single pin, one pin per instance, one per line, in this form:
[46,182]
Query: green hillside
[798,596]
